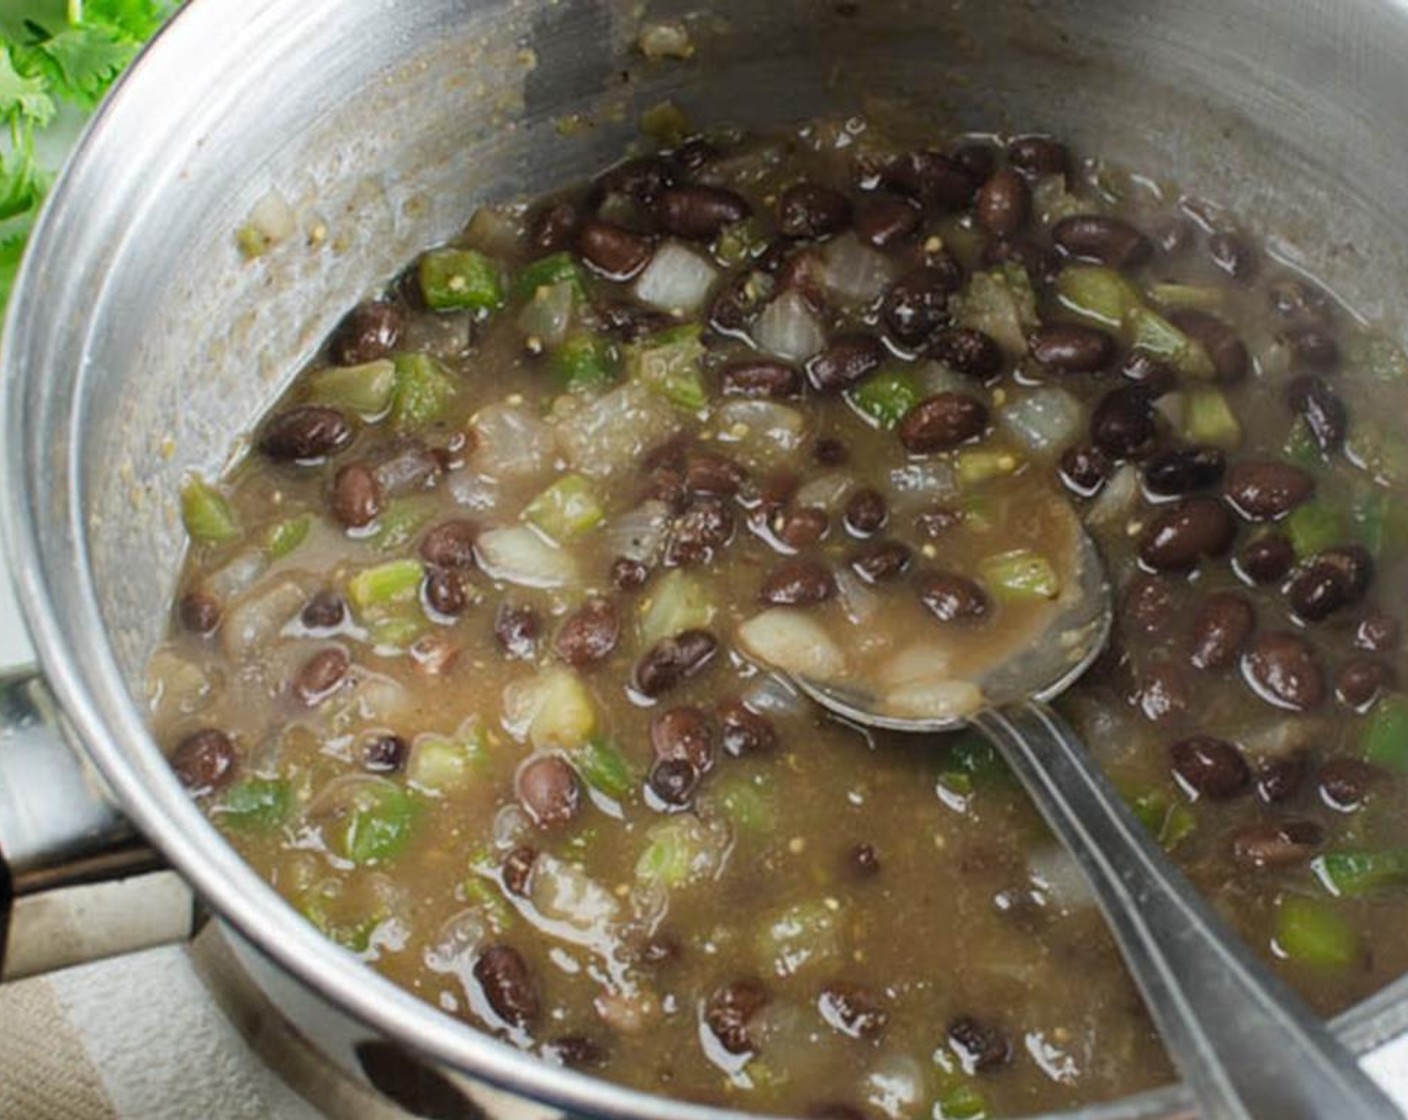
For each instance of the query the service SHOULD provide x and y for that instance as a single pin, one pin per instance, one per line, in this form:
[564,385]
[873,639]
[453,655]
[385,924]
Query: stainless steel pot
[140,342]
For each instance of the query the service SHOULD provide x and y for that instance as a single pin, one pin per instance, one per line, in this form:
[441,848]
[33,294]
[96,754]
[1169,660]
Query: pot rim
[84,674]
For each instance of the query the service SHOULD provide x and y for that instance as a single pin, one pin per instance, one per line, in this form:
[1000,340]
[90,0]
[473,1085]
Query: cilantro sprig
[54,53]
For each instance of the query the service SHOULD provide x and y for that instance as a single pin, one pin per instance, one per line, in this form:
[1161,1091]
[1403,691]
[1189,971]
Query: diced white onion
[510,441]
[854,272]
[793,641]
[579,906]
[1116,501]
[772,695]
[924,481]
[1044,421]
[676,279]
[496,230]
[237,576]
[826,491]
[640,533]
[764,431]
[665,39]
[935,377]
[256,621]
[787,329]
[1058,875]
[858,601]
[895,1085]
[454,948]
[610,434]
[520,556]
[545,317]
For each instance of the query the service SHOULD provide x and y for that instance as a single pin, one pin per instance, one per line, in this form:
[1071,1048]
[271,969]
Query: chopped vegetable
[973,765]
[1313,932]
[977,465]
[423,394]
[886,396]
[255,804]
[788,329]
[567,509]
[669,364]
[285,536]
[680,851]
[1378,449]
[521,556]
[750,804]
[1316,525]
[603,767]
[401,520]
[395,634]
[552,710]
[385,586]
[453,279]
[676,280]
[1172,294]
[806,933]
[678,603]
[793,641]
[961,1102]
[1208,419]
[1149,331]
[740,242]
[369,822]
[1384,740]
[1020,574]
[1002,304]
[440,763]
[1043,420]
[665,122]
[1358,872]
[208,517]
[1101,295]
[548,272]
[584,361]
[1169,821]
[366,389]
[545,319]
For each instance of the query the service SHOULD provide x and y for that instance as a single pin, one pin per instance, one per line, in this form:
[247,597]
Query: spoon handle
[1244,1043]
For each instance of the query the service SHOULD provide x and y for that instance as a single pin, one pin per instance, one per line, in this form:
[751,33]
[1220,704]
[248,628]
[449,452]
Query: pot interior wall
[385,132]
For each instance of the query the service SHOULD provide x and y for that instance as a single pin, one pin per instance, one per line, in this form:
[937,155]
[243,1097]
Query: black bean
[685,733]
[1329,581]
[516,629]
[708,473]
[1102,240]
[1162,692]
[866,512]
[1322,411]
[738,300]
[1209,767]
[811,210]
[743,731]
[853,1010]
[848,359]
[205,761]
[1277,845]
[1299,304]
[881,562]
[1182,470]
[695,154]
[305,433]
[1149,603]
[444,591]
[1179,537]
[672,660]
[1361,681]
[803,272]
[589,633]
[1232,255]
[830,452]
[942,421]
[577,1051]
[934,177]
[450,544]
[507,985]
[1266,489]
[863,861]
[705,527]
[953,598]
[1280,779]
[1039,155]
[324,611]
[1084,469]
[614,251]
[1071,348]
[967,351]
[1283,670]
[1123,424]
[798,583]
[628,574]
[698,212]
[320,675]
[356,497]
[1230,360]
[978,159]
[550,227]
[385,754]
[1345,783]
[548,789]
[1153,373]
[1004,203]
[630,321]
[1377,632]
[641,179]
[980,1046]
[730,1009]
[1221,627]
[1267,559]
[800,527]
[883,220]
[673,781]
[517,870]
[760,377]
[835,1110]
[199,612]
[1041,264]
[916,305]
[368,332]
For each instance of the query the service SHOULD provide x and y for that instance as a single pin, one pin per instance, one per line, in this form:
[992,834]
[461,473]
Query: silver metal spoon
[1246,1045]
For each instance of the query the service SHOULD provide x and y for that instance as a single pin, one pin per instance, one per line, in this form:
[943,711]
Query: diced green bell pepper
[285,536]
[1313,932]
[1209,419]
[740,242]
[887,395]
[567,509]
[455,279]
[1101,295]
[671,853]
[751,805]
[962,1101]
[1020,575]
[583,361]
[423,394]
[976,465]
[972,764]
[441,763]
[1149,331]
[208,517]
[603,767]
[1353,873]
[366,388]
[666,123]
[255,804]
[1316,525]
[385,586]
[545,272]
[1169,822]
[399,522]
[1384,740]
[374,824]
[668,363]
[678,603]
